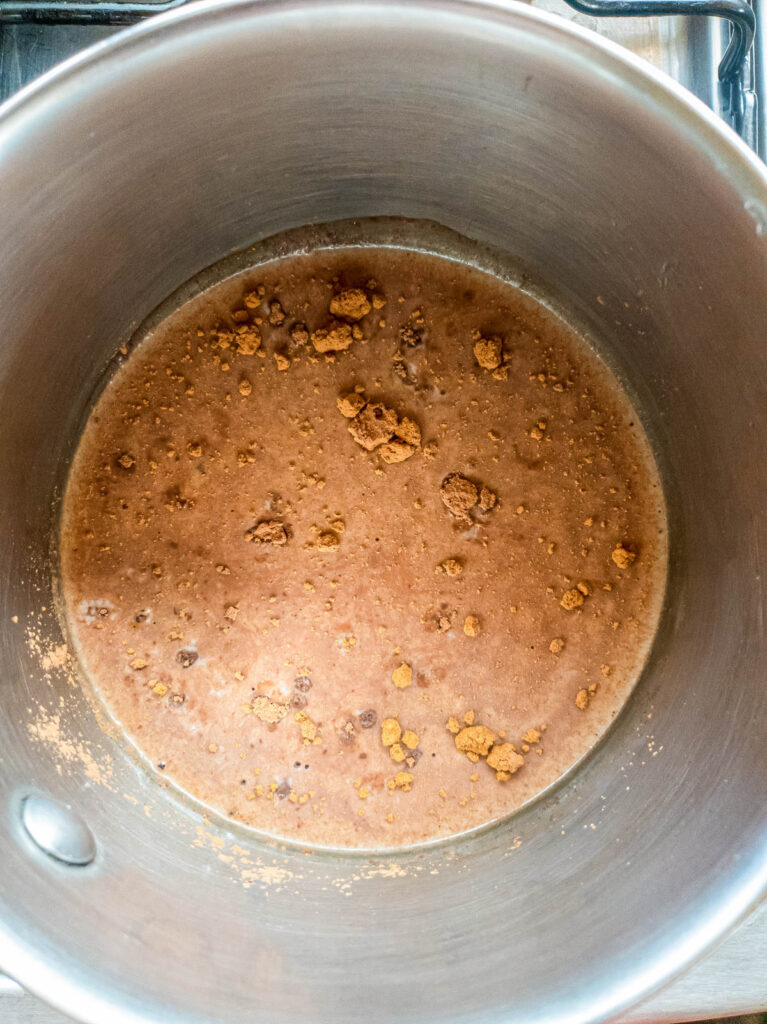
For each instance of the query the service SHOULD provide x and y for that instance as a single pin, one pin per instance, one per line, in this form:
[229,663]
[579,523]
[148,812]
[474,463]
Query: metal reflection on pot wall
[213,128]
[737,96]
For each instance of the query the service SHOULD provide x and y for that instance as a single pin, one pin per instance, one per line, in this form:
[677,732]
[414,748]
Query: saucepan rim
[701,128]
[720,141]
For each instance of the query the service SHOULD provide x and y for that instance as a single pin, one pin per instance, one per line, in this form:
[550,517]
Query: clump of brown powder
[460,495]
[350,304]
[402,780]
[338,334]
[583,697]
[477,741]
[488,352]
[472,626]
[351,404]
[299,334]
[402,676]
[267,531]
[402,744]
[450,567]
[328,540]
[505,760]
[624,556]
[335,337]
[266,709]
[374,425]
[572,599]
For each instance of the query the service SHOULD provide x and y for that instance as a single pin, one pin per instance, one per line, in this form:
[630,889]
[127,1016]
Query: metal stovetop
[37,34]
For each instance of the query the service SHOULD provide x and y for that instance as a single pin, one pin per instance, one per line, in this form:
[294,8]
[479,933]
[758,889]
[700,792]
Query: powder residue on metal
[47,729]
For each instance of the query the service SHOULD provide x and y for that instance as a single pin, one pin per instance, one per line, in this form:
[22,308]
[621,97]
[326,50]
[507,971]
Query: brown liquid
[183,623]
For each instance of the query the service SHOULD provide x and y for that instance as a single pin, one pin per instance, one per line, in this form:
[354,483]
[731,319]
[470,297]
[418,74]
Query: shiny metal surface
[10,990]
[207,130]
[682,47]
[760,75]
[36,35]
[57,830]
[690,50]
[728,981]
[737,91]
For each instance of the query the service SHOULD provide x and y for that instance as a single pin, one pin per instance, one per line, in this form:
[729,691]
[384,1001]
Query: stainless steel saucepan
[153,155]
